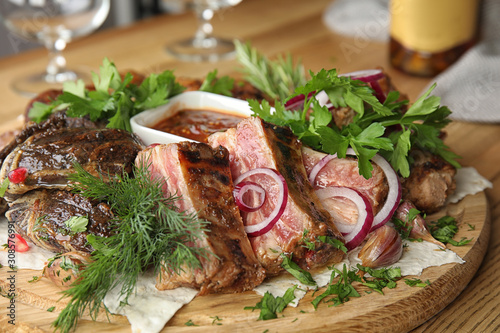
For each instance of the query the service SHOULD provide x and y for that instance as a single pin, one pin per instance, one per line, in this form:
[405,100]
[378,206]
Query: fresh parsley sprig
[115,99]
[372,130]
[270,306]
[148,233]
[444,229]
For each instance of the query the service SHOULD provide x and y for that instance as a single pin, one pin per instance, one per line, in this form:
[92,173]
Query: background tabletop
[295,26]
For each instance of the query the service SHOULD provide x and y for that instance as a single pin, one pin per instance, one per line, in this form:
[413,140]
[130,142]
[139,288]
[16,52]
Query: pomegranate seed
[18,175]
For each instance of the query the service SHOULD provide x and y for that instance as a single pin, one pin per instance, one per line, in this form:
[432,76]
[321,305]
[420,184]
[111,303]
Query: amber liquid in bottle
[427,36]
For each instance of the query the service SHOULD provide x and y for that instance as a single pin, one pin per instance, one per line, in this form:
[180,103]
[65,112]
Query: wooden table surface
[295,26]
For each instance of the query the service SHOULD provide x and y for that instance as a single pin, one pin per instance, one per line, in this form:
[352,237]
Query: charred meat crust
[49,156]
[40,216]
[257,144]
[202,176]
[430,182]
[287,150]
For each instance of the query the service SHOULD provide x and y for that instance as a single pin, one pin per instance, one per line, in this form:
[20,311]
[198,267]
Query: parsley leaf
[300,274]
[342,289]
[114,99]
[269,306]
[375,128]
[221,86]
[417,283]
[77,223]
[444,229]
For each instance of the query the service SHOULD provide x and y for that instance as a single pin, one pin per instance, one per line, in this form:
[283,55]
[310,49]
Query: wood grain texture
[275,27]
[399,310]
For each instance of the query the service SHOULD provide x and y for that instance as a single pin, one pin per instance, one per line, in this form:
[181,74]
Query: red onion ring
[368,75]
[242,188]
[356,233]
[319,166]
[269,222]
[393,197]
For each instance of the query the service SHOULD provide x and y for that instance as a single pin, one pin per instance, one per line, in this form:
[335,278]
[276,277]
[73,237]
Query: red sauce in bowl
[197,124]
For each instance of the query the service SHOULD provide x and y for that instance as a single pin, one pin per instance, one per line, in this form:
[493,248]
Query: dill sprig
[278,79]
[147,233]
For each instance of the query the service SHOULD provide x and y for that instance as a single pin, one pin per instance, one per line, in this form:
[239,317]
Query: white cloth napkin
[470,87]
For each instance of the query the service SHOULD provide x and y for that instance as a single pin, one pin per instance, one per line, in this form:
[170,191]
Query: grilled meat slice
[202,177]
[257,144]
[49,157]
[39,216]
[430,182]
[344,172]
[56,121]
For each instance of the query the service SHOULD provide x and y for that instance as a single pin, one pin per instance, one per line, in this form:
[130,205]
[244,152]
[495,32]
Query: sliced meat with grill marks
[49,157]
[40,217]
[344,172]
[201,177]
[257,144]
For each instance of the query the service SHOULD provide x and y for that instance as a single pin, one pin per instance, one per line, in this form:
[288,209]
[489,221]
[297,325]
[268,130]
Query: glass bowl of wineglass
[204,46]
[53,23]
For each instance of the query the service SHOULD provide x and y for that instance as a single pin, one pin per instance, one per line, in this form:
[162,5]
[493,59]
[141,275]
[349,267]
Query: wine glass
[53,23]
[204,46]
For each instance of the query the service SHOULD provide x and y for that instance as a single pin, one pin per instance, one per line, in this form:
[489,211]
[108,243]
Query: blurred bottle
[427,36]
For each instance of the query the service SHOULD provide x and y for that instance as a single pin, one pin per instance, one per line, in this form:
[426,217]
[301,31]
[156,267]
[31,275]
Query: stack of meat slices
[256,144]
[201,177]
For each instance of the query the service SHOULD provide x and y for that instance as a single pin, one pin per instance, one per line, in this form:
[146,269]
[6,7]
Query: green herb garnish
[77,223]
[52,308]
[444,229]
[342,290]
[216,320]
[277,79]
[148,232]
[368,133]
[417,283]
[190,323]
[4,186]
[300,274]
[114,99]
[221,86]
[270,306]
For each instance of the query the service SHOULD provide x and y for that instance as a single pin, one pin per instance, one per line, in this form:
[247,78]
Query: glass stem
[57,63]
[203,37]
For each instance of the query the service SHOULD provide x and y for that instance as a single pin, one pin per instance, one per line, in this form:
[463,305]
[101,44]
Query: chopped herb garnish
[270,306]
[34,279]
[148,232]
[77,223]
[4,186]
[300,274]
[471,227]
[221,86]
[277,78]
[444,229]
[216,320]
[52,308]
[368,133]
[417,283]
[190,323]
[114,99]
[341,291]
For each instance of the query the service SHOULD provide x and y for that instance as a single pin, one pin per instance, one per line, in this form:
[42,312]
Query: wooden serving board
[399,310]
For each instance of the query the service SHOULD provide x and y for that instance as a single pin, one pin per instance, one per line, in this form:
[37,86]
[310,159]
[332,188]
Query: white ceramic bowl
[192,100]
